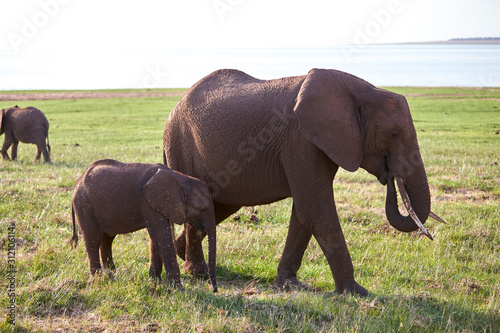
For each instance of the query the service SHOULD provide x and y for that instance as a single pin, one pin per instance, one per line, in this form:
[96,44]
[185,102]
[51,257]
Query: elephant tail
[74,240]
[48,144]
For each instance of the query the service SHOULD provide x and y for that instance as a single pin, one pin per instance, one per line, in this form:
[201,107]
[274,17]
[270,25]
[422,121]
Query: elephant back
[29,125]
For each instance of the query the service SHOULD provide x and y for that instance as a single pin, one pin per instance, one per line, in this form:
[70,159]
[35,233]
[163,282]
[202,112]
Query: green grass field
[451,284]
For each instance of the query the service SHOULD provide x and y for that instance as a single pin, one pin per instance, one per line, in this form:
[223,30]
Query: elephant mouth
[384,175]
[384,178]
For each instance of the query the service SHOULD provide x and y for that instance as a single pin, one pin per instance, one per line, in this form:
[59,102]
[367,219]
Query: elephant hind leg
[91,231]
[296,243]
[46,155]
[106,252]
[14,149]
[38,153]
[41,148]
[92,247]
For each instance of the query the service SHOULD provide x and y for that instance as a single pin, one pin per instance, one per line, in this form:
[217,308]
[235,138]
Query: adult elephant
[258,141]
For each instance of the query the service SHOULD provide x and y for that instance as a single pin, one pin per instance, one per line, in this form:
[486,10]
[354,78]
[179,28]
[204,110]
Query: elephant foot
[109,273]
[290,284]
[354,289]
[154,275]
[198,270]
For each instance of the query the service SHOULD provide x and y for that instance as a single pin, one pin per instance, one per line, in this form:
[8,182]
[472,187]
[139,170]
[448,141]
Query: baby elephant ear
[164,194]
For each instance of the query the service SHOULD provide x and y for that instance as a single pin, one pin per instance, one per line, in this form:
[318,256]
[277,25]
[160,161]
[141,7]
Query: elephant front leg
[155,263]
[331,240]
[325,226]
[314,208]
[161,235]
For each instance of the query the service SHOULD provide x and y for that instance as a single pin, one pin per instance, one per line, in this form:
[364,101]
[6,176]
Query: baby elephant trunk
[212,252]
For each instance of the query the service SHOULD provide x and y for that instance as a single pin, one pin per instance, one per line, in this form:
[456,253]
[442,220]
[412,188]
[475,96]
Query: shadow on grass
[253,297]
[319,311]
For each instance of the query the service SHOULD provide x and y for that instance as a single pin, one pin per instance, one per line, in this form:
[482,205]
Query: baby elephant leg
[155,263]
[91,233]
[93,253]
[45,152]
[6,145]
[161,235]
[41,148]
[14,149]
[106,252]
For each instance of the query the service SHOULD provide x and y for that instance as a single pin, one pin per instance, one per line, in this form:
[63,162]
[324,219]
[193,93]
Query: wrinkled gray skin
[258,141]
[27,125]
[113,198]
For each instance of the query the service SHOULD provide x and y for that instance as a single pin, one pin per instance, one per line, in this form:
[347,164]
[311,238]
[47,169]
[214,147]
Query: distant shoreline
[492,40]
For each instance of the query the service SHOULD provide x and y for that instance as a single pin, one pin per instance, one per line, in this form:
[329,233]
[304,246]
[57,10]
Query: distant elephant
[113,198]
[258,141]
[27,125]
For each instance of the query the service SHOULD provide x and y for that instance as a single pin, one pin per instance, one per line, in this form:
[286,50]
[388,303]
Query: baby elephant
[113,198]
[27,125]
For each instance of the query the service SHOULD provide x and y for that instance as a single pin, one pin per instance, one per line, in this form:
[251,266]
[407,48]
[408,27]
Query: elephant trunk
[212,253]
[416,197]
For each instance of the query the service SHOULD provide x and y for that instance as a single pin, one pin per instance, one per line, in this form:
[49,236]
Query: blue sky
[100,27]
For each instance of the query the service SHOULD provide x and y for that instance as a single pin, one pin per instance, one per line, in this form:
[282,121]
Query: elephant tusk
[409,208]
[437,218]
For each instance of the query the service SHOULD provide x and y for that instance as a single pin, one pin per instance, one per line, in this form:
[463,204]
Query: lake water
[475,65]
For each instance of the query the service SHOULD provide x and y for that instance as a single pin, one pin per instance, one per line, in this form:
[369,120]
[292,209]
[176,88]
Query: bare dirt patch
[83,95]
[464,194]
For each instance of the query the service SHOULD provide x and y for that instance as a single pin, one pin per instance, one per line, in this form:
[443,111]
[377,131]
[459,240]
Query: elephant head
[359,125]
[183,200]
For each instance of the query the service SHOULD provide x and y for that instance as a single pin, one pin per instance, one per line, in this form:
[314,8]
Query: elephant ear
[165,195]
[1,121]
[329,116]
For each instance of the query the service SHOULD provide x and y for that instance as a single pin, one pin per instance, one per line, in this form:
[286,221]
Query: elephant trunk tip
[411,222]
[212,249]
[409,208]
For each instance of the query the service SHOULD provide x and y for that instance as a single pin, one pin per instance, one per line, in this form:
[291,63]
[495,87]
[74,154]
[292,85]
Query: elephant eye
[395,135]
